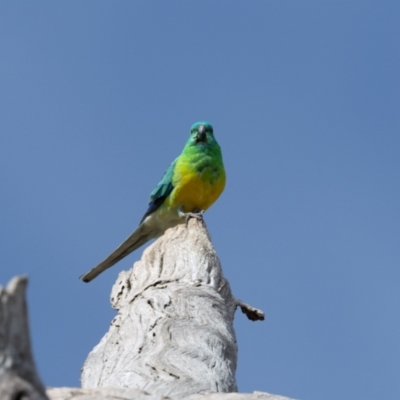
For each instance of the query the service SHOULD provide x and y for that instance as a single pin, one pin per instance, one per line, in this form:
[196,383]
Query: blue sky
[97,98]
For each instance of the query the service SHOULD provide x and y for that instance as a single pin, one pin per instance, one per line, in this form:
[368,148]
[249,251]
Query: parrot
[191,184]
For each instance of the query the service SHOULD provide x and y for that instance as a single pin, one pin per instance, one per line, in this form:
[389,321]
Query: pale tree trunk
[172,338]
[173,334]
[18,377]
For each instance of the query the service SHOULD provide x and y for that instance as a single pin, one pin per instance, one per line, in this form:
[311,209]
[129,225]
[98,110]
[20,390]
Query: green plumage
[190,185]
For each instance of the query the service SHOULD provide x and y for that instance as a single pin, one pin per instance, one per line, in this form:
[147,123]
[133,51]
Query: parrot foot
[194,214]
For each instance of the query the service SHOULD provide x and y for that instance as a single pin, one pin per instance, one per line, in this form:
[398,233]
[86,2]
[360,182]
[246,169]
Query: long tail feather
[134,241]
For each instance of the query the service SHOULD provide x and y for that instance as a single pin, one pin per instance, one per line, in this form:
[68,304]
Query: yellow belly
[193,191]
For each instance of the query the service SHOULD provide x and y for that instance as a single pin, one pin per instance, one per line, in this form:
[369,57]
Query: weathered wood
[173,334]
[130,394]
[18,377]
[101,394]
[238,396]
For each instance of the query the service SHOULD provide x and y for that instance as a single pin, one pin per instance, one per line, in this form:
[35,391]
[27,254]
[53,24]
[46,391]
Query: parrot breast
[198,182]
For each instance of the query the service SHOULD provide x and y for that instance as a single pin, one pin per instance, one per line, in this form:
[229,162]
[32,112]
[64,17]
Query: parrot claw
[194,214]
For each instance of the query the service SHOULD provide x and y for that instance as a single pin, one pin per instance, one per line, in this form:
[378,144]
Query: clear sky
[97,98]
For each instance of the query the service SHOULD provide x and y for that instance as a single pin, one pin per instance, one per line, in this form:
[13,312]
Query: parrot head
[201,133]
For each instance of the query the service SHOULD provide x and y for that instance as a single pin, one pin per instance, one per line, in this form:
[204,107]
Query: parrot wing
[143,233]
[161,191]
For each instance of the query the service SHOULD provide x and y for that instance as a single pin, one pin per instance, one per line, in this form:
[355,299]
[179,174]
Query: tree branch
[173,334]
[18,376]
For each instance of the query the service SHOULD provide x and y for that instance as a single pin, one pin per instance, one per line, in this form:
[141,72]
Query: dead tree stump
[18,377]
[173,334]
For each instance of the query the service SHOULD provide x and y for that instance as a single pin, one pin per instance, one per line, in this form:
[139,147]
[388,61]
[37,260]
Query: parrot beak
[201,134]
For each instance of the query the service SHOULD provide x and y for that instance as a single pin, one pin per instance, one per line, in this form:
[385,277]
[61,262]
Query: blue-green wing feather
[161,192]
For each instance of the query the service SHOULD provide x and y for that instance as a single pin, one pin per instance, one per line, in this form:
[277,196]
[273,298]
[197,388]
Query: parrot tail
[134,241]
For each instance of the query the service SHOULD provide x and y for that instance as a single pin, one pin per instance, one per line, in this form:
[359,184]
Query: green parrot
[191,184]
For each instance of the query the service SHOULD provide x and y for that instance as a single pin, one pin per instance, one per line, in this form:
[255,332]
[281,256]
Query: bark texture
[100,394]
[18,377]
[239,396]
[173,334]
[130,394]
